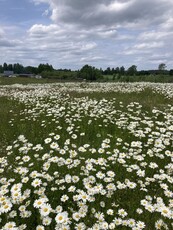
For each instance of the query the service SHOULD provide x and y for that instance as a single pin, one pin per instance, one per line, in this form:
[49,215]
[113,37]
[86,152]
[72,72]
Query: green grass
[25,80]
[107,78]
[7,132]
[102,117]
[145,78]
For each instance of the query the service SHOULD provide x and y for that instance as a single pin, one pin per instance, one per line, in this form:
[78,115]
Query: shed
[8,73]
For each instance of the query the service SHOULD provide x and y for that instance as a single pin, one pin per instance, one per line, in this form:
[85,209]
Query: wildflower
[34,174]
[110,173]
[99,216]
[54,145]
[45,209]
[141,173]
[131,185]
[36,183]
[48,140]
[122,212]
[62,151]
[140,224]
[68,178]
[12,214]
[117,221]
[25,180]
[64,198]
[139,210]
[38,203]
[100,175]
[74,136]
[71,189]
[73,153]
[159,224]
[111,186]
[25,214]
[61,217]
[150,208]
[75,179]
[104,225]
[84,197]
[165,212]
[22,227]
[110,212]
[6,207]
[47,220]
[101,150]
[76,216]
[26,158]
[40,227]
[80,226]
[16,187]
[22,208]
[57,137]
[10,225]
[59,209]
[102,204]
[111,226]
[82,149]
[131,223]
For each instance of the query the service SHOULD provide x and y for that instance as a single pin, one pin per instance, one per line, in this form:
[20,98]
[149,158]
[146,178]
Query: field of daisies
[91,156]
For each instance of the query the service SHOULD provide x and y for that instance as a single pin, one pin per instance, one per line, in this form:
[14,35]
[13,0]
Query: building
[7,73]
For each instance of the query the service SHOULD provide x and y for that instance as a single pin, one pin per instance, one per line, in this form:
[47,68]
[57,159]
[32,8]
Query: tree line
[87,72]
[19,69]
[132,70]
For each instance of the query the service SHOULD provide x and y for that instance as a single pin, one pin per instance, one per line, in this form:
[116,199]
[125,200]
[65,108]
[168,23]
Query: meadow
[91,156]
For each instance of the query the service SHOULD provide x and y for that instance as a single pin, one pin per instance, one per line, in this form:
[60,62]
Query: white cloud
[102,32]
[5,41]
[149,46]
[38,30]
[88,46]
[1,32]
[155,35]
[109,12]
[114,6]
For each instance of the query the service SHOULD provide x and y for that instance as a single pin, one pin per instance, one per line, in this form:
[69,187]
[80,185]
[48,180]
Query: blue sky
[22,13]
[72,33]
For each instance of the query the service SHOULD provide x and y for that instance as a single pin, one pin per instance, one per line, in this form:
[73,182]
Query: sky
[72,33]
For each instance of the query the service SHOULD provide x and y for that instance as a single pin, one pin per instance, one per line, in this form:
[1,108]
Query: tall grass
[95,160]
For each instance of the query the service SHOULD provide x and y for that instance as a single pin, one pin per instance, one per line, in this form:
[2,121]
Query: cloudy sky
[72,33]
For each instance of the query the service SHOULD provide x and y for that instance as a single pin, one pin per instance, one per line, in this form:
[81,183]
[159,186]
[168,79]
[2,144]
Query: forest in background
[91,73]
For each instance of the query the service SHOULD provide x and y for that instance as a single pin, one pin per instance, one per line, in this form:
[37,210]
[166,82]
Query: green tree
[31,69]
[5,66]
[89,73]
[132,70]
[1,69]
[122,71]
[117,70]
[171,72]
[44,67]
[162,67]
[10,67]
[18,68]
